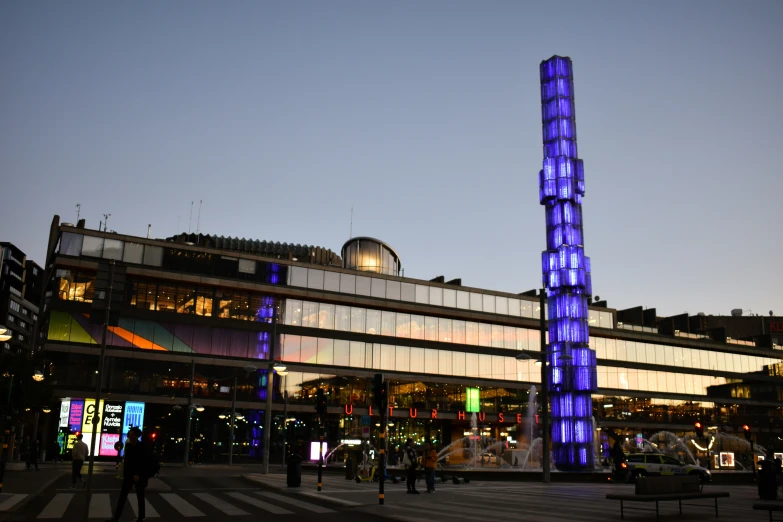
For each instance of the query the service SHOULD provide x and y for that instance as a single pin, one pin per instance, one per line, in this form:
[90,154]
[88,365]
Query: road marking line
[11,502]
[180,504]
[304,505]
[148,509]
[275,510]
[347,503]
[225,507]
[57,506]
[100,506]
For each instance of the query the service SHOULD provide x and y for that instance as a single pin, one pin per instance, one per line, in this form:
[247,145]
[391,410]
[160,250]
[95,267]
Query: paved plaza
[483,500]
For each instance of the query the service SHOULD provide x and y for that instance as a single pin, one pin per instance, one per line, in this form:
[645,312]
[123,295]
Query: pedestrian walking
[779,474]
[55,449]
[80,453]
[411,464]
[430,462]
[139,466]
[31,453]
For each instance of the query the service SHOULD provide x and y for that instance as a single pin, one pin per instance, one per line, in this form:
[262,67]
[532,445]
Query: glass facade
[370,255]
[316,279]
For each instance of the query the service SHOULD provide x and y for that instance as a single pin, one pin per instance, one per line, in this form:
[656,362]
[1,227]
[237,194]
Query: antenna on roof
[350,235]
[198,221]
[106,221]
[78,211]
[190,219]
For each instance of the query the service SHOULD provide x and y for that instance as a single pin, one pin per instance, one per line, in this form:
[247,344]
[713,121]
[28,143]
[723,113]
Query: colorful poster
[89,416]
[107,445]
[65,412]
[112,417]
[133,416]
[75,415]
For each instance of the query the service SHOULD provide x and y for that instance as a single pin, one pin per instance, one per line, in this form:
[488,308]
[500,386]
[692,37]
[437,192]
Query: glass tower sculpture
[566,273]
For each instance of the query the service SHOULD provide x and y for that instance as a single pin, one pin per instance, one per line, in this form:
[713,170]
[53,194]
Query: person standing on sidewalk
[80,453]
[430,463]
[411,464]
[139,466]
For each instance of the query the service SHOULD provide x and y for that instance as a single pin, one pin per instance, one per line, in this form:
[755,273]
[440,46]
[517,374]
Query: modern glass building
[231,307]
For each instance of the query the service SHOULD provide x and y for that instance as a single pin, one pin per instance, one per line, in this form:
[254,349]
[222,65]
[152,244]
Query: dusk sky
[424,116]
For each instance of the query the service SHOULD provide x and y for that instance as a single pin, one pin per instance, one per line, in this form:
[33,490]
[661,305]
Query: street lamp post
[269,392]
[189,412]
[233,421]
[544,384]
[542,360]
[281,371]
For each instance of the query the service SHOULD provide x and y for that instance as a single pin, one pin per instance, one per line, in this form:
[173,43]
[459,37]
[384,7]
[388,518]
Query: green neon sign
[472,402]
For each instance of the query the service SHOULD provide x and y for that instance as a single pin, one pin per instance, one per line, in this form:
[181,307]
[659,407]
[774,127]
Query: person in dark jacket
[411,463]
[138,468]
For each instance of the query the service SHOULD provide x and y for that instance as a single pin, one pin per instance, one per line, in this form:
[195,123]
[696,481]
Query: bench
[769,505]
[663,489]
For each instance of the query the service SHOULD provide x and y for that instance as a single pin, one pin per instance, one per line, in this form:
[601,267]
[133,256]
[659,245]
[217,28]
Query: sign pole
[382,455]
[97,404]
[320,449]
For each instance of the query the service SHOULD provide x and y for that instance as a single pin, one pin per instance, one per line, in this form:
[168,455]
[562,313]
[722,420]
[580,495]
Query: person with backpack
[139,466]
[411,463]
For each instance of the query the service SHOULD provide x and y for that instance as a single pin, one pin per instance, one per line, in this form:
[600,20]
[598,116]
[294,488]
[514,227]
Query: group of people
[139,465]
[411,461]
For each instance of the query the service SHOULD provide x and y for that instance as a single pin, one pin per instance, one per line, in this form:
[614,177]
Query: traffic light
[699,429]
[746,429]
[320,401]
[380,392]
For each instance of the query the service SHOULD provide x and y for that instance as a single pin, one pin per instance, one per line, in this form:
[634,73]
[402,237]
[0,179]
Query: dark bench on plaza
[664,489]
[768,505]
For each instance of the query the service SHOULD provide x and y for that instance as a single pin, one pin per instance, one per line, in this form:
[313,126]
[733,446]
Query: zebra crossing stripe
[14,499]
[180,504]
[275,510]
[100,506]
[149,511]
[304,505]
[222,505]
[57,506]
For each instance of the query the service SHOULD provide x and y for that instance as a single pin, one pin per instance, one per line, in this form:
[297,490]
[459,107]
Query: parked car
[654,464]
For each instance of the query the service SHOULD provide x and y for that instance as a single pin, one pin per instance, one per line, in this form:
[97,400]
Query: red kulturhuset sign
[414,413]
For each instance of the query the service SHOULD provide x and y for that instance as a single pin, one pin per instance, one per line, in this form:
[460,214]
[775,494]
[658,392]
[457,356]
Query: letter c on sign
[413,412]
[349,409]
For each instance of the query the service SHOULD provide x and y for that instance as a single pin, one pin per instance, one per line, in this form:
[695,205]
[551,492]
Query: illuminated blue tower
[566,271]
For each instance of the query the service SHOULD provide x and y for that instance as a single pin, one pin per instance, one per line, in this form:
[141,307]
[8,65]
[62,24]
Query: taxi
[654,464]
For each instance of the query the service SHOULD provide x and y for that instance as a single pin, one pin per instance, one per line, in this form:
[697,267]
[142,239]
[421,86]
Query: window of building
[134,253]
[247,266]
[13,305]
[11,319]
[112,249]
[92,246]
[71,244]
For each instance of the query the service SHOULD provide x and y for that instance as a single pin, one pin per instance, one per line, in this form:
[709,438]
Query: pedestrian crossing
[9,500]
[166,505]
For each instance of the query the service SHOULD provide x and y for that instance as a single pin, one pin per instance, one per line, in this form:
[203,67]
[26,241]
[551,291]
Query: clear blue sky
[422,116]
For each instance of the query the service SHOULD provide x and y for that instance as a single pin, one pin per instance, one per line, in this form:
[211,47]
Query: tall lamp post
[541,359]
[281,370]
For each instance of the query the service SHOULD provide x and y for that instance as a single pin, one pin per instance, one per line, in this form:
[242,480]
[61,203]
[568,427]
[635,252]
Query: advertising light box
[65,413]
